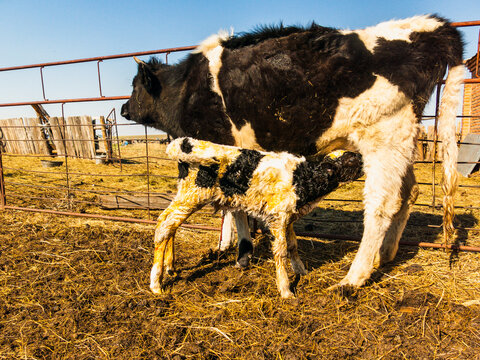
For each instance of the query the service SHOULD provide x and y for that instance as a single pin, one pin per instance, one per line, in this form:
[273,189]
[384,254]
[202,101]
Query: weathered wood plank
[30,143]
[57,133]
[37,134]
[133,202]
[69,136]
[13,135]
[3,136]
[90,135]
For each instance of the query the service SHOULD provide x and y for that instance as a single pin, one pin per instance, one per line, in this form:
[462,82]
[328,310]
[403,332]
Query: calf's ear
[148,78]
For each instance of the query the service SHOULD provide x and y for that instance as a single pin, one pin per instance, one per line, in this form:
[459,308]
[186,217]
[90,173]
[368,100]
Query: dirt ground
[78,289]
[75,288]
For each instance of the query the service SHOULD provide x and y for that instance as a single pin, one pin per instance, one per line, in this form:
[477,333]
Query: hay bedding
[76,289]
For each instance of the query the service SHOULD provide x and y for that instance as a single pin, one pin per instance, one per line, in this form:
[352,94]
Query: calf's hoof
[156,289]
[287,294]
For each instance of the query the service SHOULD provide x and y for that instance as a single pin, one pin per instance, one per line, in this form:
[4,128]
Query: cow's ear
[149,79]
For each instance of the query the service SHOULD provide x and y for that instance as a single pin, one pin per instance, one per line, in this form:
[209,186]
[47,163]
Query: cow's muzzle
[124,111]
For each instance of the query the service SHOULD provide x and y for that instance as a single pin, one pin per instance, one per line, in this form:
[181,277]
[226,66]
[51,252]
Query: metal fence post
[3,200]
[148,172]
[435,138]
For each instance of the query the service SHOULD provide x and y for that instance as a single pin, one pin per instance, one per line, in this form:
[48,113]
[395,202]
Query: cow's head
[142,105]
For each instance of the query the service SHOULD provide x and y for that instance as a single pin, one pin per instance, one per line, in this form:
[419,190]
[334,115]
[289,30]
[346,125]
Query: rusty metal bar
[65,101]
[97,192]
[43,86]
[85,174]
[106,217]
[116,133]
[477,74]
[67,178]
[3,200]
[148,171]
[109,57]
[402,242]
[437,104]
[99,79]
[466,23]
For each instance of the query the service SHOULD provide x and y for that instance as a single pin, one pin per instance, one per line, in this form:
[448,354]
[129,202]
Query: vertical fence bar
[43,86]
[99,79]
[477,73]
[148,172]
[118,140]
[437,104]
[107,140]
[3,200]
[67,178]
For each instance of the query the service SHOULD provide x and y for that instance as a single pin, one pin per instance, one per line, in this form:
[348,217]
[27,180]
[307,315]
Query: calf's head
[344,166]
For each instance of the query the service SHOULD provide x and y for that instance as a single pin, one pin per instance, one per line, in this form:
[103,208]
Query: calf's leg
[280,254]
[292,247]
[168,222]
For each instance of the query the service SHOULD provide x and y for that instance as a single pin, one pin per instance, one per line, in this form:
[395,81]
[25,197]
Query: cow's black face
[146,91]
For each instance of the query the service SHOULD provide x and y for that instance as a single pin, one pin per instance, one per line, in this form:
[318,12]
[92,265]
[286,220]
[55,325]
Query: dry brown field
[77,288]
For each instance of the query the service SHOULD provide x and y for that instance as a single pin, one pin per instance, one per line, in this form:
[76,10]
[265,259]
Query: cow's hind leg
[292,247]
[245,246]
[168,223]
[228,234]
[409,193]
[385,169]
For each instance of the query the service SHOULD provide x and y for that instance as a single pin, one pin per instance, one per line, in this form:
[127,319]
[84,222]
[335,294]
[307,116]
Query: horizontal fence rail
[67,191]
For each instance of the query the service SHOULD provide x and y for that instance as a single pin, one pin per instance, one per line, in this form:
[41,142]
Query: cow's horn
[138,61]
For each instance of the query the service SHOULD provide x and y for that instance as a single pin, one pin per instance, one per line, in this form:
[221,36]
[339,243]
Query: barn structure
[471,100]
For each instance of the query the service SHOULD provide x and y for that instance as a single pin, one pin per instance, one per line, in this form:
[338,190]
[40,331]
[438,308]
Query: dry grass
[78,289]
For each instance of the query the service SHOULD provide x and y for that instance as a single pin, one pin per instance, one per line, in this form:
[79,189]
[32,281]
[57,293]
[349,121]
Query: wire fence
[133,173]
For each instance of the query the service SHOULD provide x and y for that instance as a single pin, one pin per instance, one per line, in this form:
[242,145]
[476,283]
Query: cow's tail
[195,151]
[447,135]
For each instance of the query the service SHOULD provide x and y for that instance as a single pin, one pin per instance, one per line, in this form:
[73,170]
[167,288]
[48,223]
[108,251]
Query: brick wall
[471,103]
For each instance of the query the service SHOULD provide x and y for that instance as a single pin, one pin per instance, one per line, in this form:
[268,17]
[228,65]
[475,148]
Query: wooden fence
[73,137]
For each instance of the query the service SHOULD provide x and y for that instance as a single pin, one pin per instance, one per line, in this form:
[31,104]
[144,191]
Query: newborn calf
[277,188]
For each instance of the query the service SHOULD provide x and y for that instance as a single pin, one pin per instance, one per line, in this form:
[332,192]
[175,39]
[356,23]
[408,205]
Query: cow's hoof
[344,290]
[245,252]
[244,261]
[172,273]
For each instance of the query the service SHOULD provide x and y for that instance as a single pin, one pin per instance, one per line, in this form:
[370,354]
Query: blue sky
[44,31]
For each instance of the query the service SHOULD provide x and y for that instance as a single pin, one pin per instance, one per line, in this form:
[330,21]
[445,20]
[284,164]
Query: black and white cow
[313,90]
[277,188]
